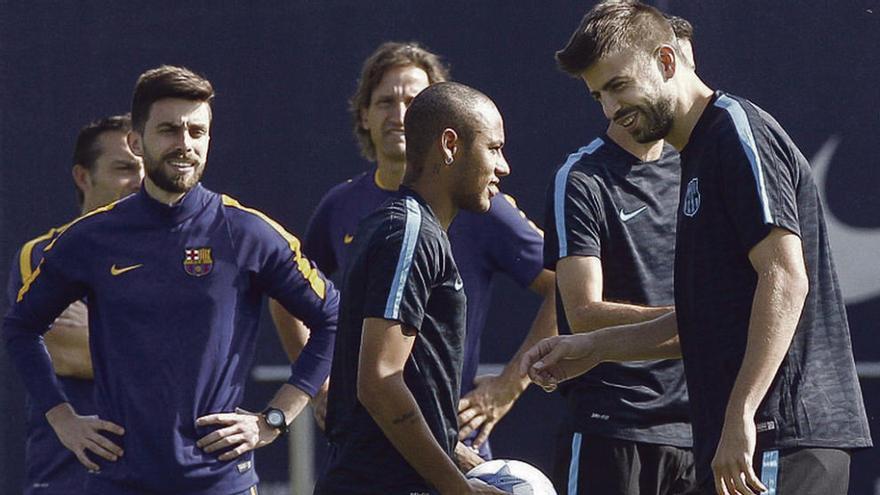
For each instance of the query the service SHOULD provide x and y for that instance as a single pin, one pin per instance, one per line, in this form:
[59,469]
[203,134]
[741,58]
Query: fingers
[225,442]
[85,461]
[110,426]
[232,454]
[753,481]
[216,436]
[472,424]
[106,445]
[464,403]
[486,429]
[95,446]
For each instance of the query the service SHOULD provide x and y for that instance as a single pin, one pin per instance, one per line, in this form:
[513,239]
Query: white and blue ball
[516,477]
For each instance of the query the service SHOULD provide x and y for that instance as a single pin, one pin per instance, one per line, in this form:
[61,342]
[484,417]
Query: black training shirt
[401,268]
[605,202]
[741,176]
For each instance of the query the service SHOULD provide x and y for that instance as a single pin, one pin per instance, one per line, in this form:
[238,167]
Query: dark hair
[166,81]
[683,30]
[86,150]
[438,107]
[611,26]
[389,54]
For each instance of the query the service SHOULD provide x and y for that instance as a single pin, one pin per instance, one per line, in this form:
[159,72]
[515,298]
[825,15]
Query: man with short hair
[759,320]
[392,410]
[104,170]
[612,204]
[174,277]
[501,240]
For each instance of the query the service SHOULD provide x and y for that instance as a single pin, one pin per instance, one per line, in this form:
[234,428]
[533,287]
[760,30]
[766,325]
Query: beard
[165,178]
[657,120]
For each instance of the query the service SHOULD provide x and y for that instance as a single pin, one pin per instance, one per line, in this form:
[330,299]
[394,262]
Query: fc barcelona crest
[691,204]
[197,261]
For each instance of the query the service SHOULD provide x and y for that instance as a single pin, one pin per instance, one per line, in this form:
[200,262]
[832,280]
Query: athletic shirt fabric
[50,468]
[741,176]
[604,202]
[174,296]
[502,240]
[400,268]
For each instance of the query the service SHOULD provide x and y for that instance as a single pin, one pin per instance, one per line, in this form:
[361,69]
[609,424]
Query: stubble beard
[156,172]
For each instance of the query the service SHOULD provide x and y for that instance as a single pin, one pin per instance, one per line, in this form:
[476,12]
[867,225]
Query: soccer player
[392,410]
[613,207]
[759,320]
[173,277]
[502,240]
[104,170]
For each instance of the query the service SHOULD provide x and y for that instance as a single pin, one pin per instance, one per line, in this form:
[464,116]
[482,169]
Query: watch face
[275,419]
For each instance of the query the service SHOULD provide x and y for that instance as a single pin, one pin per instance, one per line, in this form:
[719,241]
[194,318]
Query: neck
[439,201]
[161,195]
[688,111]
[646,152]
[389,173]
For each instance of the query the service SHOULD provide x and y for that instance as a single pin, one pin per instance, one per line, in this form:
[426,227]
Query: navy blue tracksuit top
[174,296]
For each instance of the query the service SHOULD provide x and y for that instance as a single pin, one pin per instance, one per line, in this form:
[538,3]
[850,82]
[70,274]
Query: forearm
[312,366]
[592,316]
[649,340]
[68,347]
[28,354]
[290,399]
[394,409]
[776,309]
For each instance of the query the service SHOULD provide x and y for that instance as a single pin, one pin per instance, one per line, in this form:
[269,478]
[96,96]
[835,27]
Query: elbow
[368,391]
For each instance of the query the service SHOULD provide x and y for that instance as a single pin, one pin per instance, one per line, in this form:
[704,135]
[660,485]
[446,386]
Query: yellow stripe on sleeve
[24,259]
[64,228]
[302,264]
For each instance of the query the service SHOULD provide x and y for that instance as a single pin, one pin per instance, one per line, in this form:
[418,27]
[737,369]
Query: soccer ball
[516,477]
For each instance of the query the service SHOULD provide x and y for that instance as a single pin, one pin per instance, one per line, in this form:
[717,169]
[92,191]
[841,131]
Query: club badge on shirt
[197,261]
[691,204]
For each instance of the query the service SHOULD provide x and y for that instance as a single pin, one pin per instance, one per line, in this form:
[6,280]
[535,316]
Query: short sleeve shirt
[741,176]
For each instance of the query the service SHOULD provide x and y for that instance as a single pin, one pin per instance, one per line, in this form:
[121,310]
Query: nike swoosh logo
[626,217]
[347,239]
[115,270]
[854,248]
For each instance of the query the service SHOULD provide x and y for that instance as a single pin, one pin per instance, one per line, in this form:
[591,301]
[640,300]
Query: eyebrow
[611,82]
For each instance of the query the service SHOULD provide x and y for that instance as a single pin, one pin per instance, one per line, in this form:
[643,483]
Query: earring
[449,160]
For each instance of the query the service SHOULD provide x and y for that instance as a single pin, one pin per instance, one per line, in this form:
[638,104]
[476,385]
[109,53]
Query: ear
[667,61]
[82,178]
[448,145]
[134,140]
[365,123]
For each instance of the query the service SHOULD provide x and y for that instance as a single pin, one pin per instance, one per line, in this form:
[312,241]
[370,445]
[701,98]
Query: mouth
[493,189]
[181,164]
[627,120]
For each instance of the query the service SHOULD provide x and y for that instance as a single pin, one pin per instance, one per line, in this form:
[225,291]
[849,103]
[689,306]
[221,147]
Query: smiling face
[629,87]
[482,162]
[174,143]
[388,103]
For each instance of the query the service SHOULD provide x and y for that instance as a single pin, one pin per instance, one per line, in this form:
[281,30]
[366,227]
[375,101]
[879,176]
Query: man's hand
[466,458]
[80,433]
[242,431]
[484,406]
[732,465]
[76,315]
[560,358]
[319,405]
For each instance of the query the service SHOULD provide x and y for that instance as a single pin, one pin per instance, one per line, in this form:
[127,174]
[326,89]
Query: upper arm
[544,284]
[580,281]
[576,216]
[516,242]
[781,249]
[385,349]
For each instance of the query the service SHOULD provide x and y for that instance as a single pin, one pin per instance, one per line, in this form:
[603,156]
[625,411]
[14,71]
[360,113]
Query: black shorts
[589,464]
[805,471]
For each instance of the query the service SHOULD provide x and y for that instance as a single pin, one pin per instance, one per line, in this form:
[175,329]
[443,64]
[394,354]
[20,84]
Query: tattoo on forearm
[404,417]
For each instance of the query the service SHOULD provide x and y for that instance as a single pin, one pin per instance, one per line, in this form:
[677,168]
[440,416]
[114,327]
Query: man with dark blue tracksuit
[174,276]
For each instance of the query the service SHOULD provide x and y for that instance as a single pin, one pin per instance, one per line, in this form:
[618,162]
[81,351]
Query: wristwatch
[275,418]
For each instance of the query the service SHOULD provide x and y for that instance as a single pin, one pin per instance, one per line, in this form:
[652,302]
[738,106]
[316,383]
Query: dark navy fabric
[605,202]
[484,244]
[741,176]
[51,469]
[172,334]
[401,268]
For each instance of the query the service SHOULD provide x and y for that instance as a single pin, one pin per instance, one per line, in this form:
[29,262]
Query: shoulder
[345,189]
[585,166]
[248,221]
[83,226]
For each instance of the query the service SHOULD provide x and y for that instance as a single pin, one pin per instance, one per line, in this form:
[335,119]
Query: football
[516,477]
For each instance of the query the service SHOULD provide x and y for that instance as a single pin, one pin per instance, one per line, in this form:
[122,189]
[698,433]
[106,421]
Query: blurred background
[281,137]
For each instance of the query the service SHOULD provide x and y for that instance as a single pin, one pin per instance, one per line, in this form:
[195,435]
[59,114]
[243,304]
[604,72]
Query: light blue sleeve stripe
[559,192]
[747,139]
[770,471]
[404,262]
[574,467]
